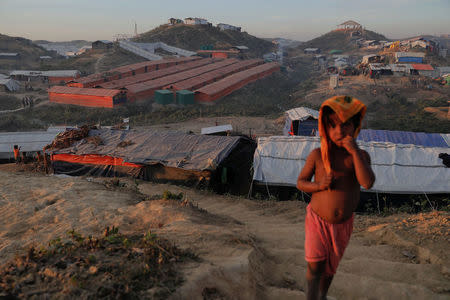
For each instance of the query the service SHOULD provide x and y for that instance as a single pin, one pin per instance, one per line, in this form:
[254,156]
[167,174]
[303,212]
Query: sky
[63,20]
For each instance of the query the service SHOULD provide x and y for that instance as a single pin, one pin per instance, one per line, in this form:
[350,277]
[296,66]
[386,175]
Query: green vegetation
[194,37]
[398,114]
[111,266]
[29,53]
[9,102]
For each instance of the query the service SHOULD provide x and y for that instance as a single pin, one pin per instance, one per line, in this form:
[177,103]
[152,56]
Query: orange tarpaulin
[93,159]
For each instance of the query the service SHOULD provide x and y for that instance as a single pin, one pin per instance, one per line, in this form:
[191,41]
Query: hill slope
[193,37]
[340,40]
[29,53]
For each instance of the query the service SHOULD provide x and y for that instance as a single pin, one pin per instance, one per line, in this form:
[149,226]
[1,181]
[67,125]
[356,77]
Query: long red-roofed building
[127,71]
[226,86]
[86,96]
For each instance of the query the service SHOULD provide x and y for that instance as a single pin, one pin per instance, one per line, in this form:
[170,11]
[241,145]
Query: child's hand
[349,144]
[325,183]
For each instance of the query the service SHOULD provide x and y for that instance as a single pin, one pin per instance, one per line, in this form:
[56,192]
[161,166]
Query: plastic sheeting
[298,114]
[173,149]
[406,169]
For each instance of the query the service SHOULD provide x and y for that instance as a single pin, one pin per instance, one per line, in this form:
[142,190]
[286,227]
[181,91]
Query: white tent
[405,169]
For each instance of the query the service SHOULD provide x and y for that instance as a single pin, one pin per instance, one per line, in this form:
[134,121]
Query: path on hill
[374,265]
[97,63]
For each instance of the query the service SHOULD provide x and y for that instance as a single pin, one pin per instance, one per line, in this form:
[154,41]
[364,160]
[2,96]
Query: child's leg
[314,273]
[324,285]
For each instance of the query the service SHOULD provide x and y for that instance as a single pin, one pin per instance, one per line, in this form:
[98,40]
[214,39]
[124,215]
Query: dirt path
[97,63]
[374,263]
[247,249]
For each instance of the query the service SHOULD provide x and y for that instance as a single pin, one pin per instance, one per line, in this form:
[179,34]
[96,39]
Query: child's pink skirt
[326,241]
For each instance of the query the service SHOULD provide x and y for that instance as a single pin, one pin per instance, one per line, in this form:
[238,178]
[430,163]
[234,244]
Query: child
[339,168]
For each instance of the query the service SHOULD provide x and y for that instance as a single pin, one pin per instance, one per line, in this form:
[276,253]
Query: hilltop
[193,37]
[340,40]
[28,51]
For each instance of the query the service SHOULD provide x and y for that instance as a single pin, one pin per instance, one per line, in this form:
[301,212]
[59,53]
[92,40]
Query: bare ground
[247,249]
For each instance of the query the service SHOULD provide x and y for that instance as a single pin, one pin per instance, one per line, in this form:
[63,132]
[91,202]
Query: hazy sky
[60,20]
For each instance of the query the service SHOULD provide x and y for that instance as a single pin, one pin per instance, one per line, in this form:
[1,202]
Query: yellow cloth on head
[345,107]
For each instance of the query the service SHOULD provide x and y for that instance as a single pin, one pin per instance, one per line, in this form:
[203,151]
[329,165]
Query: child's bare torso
[337,204]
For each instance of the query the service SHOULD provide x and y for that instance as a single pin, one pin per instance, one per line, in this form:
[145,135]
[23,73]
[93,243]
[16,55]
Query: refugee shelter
[102,44]
[303,122]
[399,168]
[409,57]
[422,69]
[9,85]
[371,58]
[29,142]
[311,50]
[53,77]
[86,96]
[222,162]
[300,121]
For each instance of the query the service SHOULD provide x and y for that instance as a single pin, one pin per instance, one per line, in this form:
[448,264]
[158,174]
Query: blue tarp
[410,59]
[371,135]
[403,137]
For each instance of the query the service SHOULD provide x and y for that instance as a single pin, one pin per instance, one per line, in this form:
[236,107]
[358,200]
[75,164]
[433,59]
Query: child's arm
[304,179]
[361,161]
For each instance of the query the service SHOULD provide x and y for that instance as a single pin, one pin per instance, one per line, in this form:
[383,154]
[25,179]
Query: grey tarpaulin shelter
[221,161]
[295,116]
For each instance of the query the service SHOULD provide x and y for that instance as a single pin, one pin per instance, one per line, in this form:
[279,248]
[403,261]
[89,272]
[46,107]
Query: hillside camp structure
[305,116]
[311,50]
[409,57]
[86,97]
[303,121]
[29,142]
[221,162]
[195,21]
[9,55]
[128,71]
[102,44]
[52,77]
[9,85]
[399,168]
[350,26]
[209,78]
[223,26]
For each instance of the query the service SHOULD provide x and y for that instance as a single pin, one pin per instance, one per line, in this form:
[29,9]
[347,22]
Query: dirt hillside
[247,249]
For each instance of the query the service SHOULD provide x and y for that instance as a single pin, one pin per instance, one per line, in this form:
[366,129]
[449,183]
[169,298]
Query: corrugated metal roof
[9,54]
[53,73]
[206,78]
[163,81]
[216,129]
[400,67]
[121,83]
[83,91]
[28,141]
[232,82]
[129,68]
[422,67]
[409,54]
[302,113]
